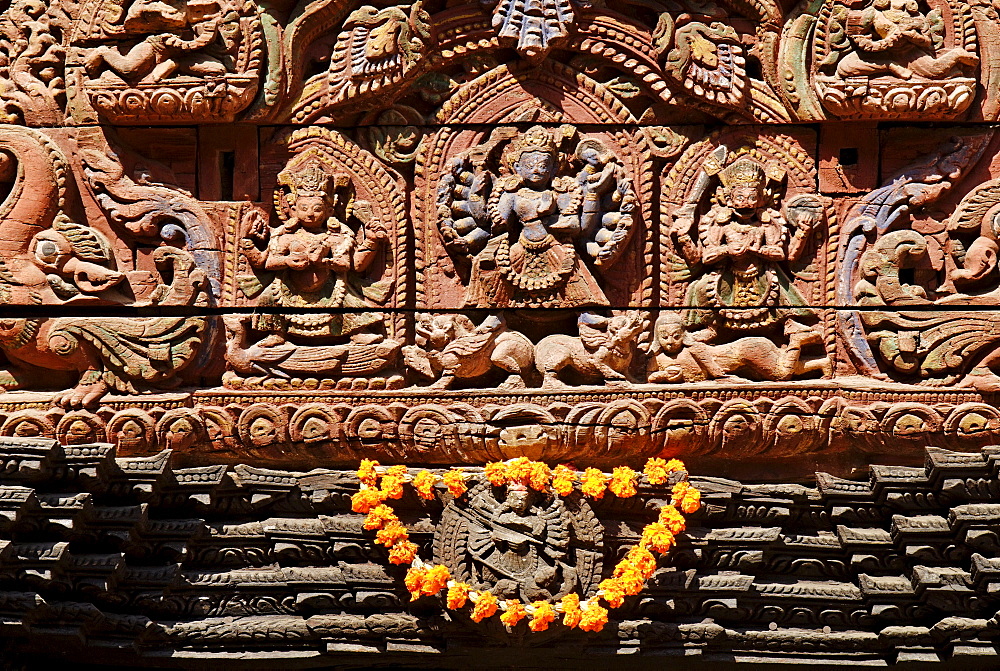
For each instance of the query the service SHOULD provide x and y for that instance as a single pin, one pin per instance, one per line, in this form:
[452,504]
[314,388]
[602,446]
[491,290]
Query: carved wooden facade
[244,245]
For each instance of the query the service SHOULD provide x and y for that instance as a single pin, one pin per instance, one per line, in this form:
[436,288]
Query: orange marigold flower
[630,580]
[594,483]
[678,490]
[594,616]
[415,581]
[365,500]
[403,552]
[656,471]
[571,610]
[458,594]
[614,592]
[640,559]
[563,478]
[379,516]
[519,470]
[485,607]
[515,613]
[675,465]
[691,501]
[367,473]
[436,580]
[496,473]
[424,482]
[657,537]
[543,616]
[671,518]
[623,482]
[539,477]
[454,480]
[392,533]
[392,482]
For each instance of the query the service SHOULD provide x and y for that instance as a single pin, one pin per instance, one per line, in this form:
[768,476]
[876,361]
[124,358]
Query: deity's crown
[310,180]
[536,138]
[743,172]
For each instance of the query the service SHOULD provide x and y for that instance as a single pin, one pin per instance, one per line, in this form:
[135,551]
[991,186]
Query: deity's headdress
[537,138]
[743,172]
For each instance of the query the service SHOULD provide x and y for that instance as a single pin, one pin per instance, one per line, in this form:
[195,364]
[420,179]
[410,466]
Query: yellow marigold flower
[367,473]
[515,613]
[415,581]
[454,480]
[519,470]
[656,471]
[671,518]
[623,482]
[594,483]
[539,476]
[657,537]
[675,465]
[594,617]
[485,607]
[496,473]
[458,594]
[571,610]
[379,516]
[436,579]
[614,594]
[563,478]
[365,500]
[403,552]
[691,501]
[392,533]
[424,482]
[543,616]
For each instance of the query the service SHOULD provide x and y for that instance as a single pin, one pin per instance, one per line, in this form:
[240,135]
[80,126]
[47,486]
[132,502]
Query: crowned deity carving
[519,543]
[746,241]
[531,226]
[311,258]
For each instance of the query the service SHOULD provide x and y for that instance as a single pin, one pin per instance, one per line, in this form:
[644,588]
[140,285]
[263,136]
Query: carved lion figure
[604,349]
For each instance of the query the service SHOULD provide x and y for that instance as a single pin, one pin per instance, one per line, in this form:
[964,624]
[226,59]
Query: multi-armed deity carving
[530,230]
[319,268]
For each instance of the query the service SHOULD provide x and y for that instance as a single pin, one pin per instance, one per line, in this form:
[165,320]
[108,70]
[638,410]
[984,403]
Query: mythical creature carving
[450,347]
[746,241]
[376,48]
[170,60]
[896,58]
[603,350]
[521,544]
[532,230]
[311,258]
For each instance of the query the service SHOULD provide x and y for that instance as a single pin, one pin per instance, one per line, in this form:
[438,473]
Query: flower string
[379,484]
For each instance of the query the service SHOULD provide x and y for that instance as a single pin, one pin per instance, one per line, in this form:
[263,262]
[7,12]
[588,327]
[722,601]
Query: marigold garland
[379,484]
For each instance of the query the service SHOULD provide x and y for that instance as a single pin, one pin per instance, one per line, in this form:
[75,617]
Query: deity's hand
[376,230]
